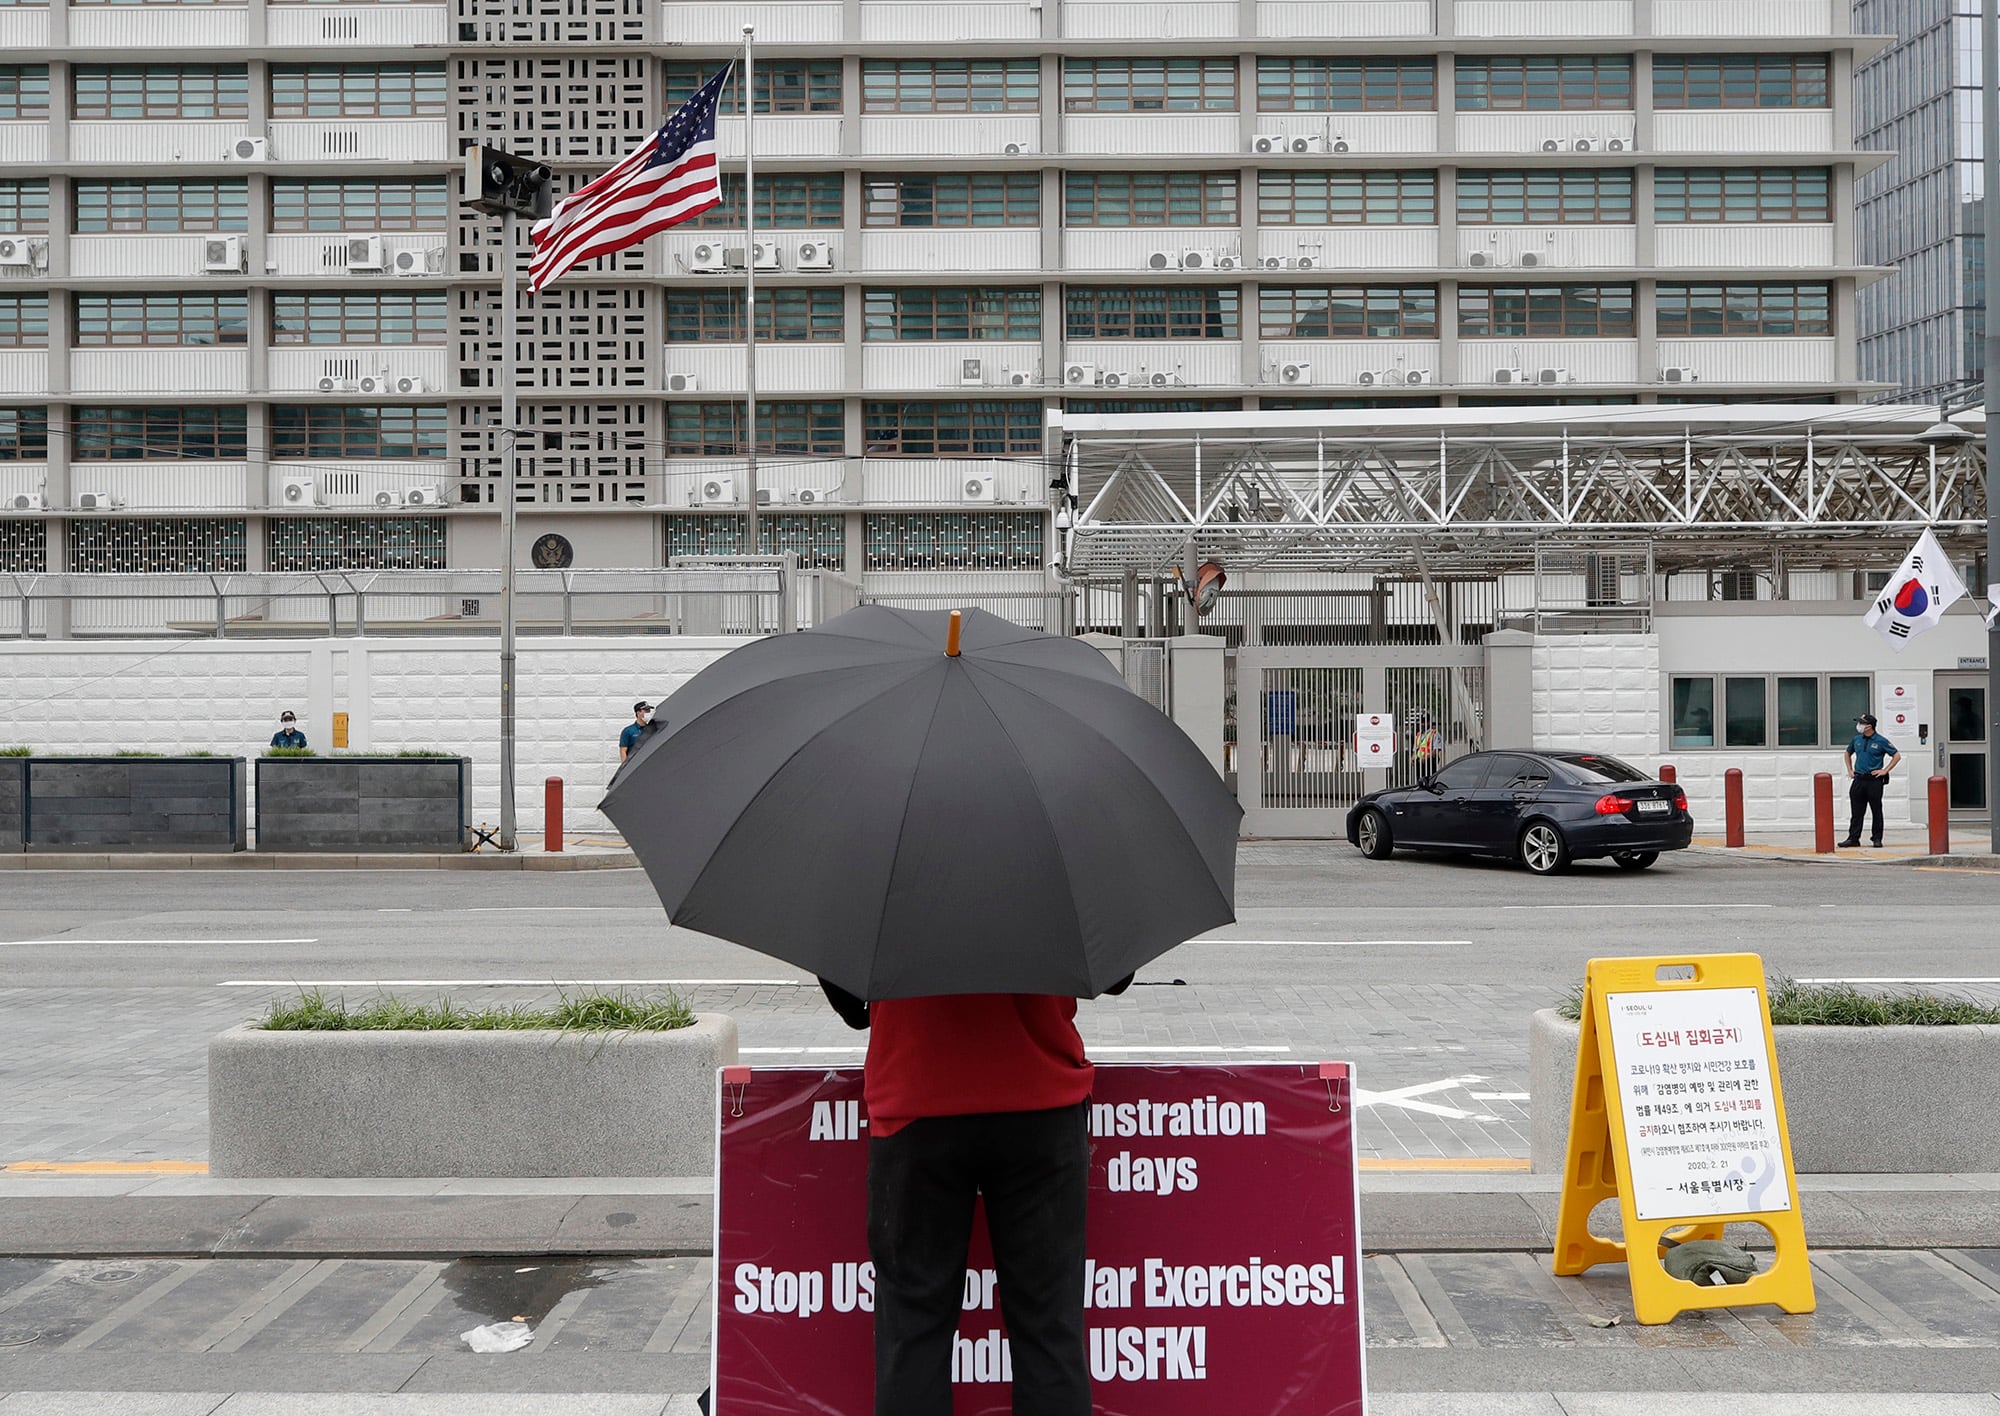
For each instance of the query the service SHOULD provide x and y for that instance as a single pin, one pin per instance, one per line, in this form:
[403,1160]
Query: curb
[288,860]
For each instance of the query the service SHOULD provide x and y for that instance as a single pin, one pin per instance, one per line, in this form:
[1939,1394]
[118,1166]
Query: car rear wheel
[1636,860]
[1372,832]
[1542,849]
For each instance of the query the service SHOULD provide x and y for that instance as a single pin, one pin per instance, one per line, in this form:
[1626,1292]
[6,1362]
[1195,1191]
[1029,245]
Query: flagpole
[746,88]
[509,305]
[1989,126]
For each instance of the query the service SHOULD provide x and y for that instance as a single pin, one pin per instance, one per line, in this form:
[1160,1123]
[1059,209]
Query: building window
[24,545]
[953,199]
[954,428]
[354,543]
[953,540]
[357,90]
[24,320]
[160,433]
[1544,81]
[363,204]
[1375,83]
[357,317]
[24,205]
[783,85]
[716,429]
[24,91]
[1742,194]
[349,430]
[1347,198]
[951,86]
[24,434]
[1150,85]
[1740,81]
[1545,195]
[158,545]
[820,542]
[1689,310]
[1545,311]
[784,316]
[1758,710]
[1150,199]
[1151,312]
[784,199]
[1154,405]
[161,319]
[133,204]
[951,312]
[1347,312]
[161,91]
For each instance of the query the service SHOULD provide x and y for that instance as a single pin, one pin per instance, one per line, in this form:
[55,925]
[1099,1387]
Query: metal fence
[738,599]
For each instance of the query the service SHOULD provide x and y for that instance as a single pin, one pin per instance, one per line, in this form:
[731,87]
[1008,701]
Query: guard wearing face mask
[288,734]
[1870,759]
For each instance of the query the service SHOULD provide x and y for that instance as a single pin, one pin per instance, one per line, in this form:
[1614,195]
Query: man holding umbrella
[978,831]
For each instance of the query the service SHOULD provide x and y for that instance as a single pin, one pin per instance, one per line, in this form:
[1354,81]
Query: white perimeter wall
[572,698]
[1609,693]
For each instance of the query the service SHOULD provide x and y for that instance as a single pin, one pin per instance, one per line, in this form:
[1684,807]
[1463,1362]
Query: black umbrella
[902,820]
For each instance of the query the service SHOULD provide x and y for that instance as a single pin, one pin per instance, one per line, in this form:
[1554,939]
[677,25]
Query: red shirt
[972,1053]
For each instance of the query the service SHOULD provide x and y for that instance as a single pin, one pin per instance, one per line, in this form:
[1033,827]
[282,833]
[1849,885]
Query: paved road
[1422,972]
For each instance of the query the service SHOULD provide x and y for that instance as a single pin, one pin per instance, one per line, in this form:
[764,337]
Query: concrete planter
[319,1104]
[1888,1099]
[13,803]
[354,804]
[134,803]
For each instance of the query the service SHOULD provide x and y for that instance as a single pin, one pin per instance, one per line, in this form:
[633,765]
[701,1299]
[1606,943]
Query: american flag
[665,180]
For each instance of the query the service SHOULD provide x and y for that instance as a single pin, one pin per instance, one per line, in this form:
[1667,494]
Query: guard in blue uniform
[1870,759]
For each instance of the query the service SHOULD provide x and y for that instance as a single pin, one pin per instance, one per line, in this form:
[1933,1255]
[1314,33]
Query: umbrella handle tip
[951,637]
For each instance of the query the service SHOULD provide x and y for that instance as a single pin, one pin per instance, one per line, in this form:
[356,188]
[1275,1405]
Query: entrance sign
[1224,1252]
[1375,739]
[1678,1115]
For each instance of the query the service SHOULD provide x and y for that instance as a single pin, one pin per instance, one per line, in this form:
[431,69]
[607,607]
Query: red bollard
[1823,813]
[552,832]
[1667,774]
[1732,807]
[1940,815]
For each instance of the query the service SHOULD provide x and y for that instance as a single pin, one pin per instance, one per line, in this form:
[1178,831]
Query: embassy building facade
[245,324]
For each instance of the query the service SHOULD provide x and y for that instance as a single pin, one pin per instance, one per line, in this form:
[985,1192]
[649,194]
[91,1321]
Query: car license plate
[1647,808]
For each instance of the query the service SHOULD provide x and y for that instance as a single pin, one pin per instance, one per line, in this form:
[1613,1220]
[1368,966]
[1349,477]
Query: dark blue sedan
[1544,809]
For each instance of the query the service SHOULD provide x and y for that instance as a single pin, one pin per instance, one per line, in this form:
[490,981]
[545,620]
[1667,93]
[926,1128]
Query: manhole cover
[113,1275]
[18,1337]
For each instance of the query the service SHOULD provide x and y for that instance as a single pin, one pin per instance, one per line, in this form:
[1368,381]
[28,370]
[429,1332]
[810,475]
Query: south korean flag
[1917,595]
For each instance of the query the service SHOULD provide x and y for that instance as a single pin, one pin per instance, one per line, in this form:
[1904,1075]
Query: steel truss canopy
[1475,489]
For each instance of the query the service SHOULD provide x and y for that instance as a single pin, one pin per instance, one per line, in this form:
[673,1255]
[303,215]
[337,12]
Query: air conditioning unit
[1615,145]
[1160,378]
[1305,142]
[683,383]
[972,372]
[424,496]
[99,501]
[365,253]
[27,501]
[1582,145]
[1267,142]
[222,253]
[301,491]
[1295,373]
[1486,258]
[1197,260]
[1015,150]
[372,383]
[1340,144]
[250,150]
[330,384]
[1279,262]
[1163,260]
[715,489]
[1552,145]
[15,251]
[410,262]
[410,383]
[1115,378]
[1225,261]
[814,255]
[385,499]
[1305,263]
[706,257]
[980,488]
[1553,376]
[1020,378]
[811,496]
[1678,375]
[1082,375]
[764,255]
[1368,378]
[1531,258]
[1418,376]
[1509,376]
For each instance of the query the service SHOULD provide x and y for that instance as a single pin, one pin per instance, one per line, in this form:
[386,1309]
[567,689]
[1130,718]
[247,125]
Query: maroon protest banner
[1224,1249]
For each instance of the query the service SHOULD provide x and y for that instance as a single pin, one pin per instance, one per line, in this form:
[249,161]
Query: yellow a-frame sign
[1678,1116]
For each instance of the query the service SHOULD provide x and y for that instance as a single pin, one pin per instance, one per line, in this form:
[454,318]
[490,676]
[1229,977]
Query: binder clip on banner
[1679,1116]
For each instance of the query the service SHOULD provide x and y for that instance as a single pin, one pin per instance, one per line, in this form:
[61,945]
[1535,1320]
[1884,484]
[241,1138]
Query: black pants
[1864,794]
[1033,1168]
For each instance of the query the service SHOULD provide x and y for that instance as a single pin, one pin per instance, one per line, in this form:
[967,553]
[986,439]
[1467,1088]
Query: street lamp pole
[509,409]
[1989,139]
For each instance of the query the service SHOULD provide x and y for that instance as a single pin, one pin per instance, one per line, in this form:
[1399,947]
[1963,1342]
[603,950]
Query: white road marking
[1406,1099]
[511,982]
[1897,980]
[20,943]
[1499,1096]
[1343,943]
[1645,905]
[543,909]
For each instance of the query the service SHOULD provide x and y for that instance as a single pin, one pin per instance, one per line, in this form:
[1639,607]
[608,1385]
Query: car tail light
[1613,805]
[1680,801]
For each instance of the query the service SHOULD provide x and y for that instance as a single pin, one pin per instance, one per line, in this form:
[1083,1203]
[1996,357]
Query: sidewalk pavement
[1971,848]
